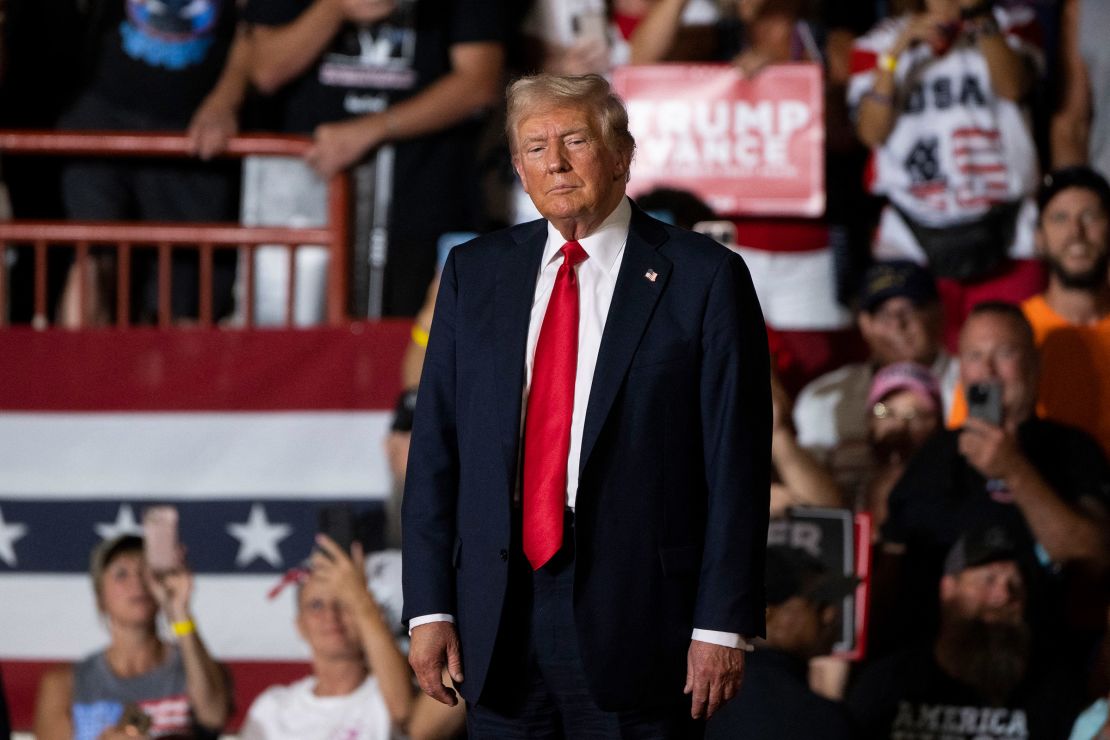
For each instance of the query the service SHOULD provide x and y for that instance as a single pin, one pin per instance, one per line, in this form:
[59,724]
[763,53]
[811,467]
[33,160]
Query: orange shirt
[1075,372]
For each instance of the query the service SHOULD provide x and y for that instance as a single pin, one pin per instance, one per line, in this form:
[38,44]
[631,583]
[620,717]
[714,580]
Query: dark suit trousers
[538,686]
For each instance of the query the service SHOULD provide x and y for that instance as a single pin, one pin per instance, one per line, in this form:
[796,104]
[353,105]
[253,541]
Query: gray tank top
[100,696]
[1094,28]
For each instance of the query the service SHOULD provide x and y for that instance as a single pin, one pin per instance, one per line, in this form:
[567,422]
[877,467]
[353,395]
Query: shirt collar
[603,246]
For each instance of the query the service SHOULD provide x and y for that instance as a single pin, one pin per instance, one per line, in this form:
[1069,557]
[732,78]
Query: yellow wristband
[888,62]
[420,336]
[184,627]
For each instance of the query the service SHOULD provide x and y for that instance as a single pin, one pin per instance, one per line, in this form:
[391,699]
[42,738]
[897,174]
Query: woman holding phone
[139,685]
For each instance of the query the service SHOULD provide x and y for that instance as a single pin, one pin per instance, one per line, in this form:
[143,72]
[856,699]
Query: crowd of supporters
[968,217]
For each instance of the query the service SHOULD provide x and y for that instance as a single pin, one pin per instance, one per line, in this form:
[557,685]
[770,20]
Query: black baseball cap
[897,279]
[1077,176]
[792,572]
[981,546]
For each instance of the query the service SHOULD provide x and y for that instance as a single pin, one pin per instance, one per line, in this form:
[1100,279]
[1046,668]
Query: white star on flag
[9,534]
[125,523]
[258,538]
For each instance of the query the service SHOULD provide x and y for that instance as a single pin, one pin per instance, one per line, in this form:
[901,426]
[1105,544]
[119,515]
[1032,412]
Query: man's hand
[991,450]
[433,647]
[924,28]
[212,125]
[339,145]
[713,675]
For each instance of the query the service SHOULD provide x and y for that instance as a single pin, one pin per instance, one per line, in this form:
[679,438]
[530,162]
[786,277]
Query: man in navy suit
[585,514]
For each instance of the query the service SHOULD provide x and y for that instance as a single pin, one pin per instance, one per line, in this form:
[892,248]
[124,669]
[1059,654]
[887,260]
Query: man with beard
[979,678]
[1071,319]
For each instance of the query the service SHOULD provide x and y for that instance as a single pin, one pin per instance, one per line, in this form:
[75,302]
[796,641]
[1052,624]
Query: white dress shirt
[597,280]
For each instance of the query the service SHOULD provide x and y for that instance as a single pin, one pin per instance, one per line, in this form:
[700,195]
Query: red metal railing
[206,238]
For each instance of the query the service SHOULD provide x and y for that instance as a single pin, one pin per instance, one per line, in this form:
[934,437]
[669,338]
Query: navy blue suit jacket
[671,511]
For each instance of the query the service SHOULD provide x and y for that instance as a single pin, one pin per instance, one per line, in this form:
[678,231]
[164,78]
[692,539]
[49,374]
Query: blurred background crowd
[965,406]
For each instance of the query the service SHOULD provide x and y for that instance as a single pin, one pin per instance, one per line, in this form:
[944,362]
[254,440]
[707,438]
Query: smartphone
[984,401]
[160,544]
[340,523]
[723,232]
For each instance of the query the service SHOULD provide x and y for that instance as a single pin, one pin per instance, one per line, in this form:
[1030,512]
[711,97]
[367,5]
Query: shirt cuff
[725,639]
[428,618]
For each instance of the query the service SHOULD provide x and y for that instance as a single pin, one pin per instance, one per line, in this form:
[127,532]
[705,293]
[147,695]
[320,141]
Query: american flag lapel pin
[651,275]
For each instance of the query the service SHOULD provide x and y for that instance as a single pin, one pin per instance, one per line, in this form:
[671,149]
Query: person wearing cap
[980,676]
[803,606]
[903,410]
[1048,482]
[900,320]
[139,686]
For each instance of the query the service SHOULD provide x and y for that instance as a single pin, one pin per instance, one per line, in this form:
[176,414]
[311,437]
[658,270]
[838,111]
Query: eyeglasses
[910,416]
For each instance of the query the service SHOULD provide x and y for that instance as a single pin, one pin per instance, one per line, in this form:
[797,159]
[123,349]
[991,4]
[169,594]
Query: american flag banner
[248,434]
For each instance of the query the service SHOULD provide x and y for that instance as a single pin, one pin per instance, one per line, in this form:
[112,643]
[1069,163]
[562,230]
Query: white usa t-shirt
[293,712]
[956,148]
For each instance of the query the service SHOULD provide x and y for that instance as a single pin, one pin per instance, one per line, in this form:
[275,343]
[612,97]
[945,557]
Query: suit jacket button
[504,554]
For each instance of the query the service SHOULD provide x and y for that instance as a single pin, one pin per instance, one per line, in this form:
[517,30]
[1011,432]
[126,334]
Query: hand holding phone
[984,401]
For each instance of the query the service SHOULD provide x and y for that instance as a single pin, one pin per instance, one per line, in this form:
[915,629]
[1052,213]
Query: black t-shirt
[368,68]
[159,59]
[940,495]
[775,701]
[908,697]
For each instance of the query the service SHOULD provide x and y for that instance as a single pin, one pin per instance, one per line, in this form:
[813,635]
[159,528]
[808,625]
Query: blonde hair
[528,95]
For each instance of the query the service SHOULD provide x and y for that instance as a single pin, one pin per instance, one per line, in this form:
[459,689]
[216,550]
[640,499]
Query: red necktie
[547,423]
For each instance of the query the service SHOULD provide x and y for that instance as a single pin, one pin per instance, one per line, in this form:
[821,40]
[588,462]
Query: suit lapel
[634,299]
[514,292]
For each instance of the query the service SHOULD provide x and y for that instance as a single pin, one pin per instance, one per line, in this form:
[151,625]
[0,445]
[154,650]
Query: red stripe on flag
[357,368]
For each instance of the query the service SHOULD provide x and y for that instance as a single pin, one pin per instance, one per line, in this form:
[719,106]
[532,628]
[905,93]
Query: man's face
[984,639]
[325,624]
[566,166]
[1072,237]
[993,348]
[801,627]
[993,593]
[898,331]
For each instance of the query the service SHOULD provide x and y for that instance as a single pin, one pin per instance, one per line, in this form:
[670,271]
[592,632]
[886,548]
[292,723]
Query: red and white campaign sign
[745,145]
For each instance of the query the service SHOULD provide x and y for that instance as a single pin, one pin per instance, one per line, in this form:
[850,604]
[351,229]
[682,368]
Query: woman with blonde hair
[139,685]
